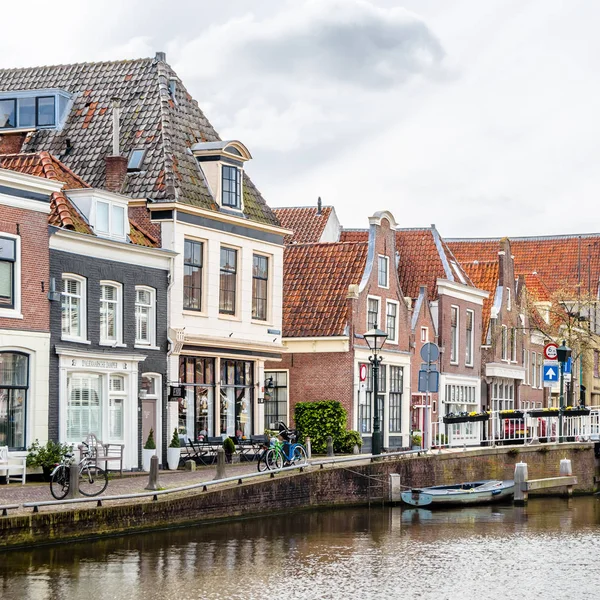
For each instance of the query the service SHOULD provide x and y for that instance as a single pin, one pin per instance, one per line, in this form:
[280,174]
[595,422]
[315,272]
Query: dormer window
[110,219]
[231,187]
[33,109]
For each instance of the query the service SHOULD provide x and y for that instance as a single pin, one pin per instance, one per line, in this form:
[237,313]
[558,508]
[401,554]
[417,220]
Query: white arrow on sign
[551,374]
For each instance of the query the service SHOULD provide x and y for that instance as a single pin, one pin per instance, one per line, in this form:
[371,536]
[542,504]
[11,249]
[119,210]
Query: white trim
[82,337]
[461,291]
[471,363]
[118,341]
[15,311]
[25,203]
[387,271]
[30,183]
[502,370]
[378,324]
[316,345]
[151,317]
[455,360]
[395,341]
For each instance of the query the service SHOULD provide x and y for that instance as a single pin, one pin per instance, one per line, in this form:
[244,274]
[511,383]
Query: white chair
[11,466]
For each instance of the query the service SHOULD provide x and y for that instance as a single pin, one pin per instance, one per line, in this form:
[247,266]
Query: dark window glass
[8,113]
[14,383]
[396,382]
[8,253]
[135,159]
[228,280]
[276,398]
[192,275]
[391,321]
[45,111]
[260,280]
[372,313]
[236,398]
[27,112]
[231,187]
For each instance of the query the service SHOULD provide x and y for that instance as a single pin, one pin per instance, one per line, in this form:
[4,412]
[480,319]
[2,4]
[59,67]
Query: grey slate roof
[150,119]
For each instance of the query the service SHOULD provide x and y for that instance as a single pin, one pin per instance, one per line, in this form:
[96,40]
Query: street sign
[362,372]
[428,367]
[551,374]
[430,352]
[429,381]
[568,368]
[551,351]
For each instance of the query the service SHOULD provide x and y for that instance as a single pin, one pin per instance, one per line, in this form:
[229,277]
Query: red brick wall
[35,268]
[141,215]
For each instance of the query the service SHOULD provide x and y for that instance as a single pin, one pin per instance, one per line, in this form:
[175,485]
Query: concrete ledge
[545,484]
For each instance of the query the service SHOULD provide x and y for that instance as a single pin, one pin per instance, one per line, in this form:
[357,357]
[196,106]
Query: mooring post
[329,446]
[308,447]
[521,477]
[566,471]
[395,489]
[73,482]
[220,464]
[153,477]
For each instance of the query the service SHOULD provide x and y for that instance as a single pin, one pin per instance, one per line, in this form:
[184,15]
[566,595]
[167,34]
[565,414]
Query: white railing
[529,429]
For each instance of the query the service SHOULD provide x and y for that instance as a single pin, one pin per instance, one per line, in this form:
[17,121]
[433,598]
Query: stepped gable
[561,262]
[305,221]
[165,126]
[315,286]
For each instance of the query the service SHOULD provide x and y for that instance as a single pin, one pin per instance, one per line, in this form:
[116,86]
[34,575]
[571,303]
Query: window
[260,280]
[45,111]
[526,365]
[73,310]
[454,334]
[8,258]
[197,409]
[503,395]
[84,406]
[14,384]
[102,218]
[116,402]
[232,187]
[533,369]
[382,271]
[540,371]
[193,256]
[110,220]
[372,313]
[508,299]
[8,113]
[504,342]
[236,398]
[424,334]
[513,344]
[28,112]
[228,281]
[135,159]
[470,338]
[396,378]
[145,311]
[391,313]
[276,397]
[110,313]
[366,400]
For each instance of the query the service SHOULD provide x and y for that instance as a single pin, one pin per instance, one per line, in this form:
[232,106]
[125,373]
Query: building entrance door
[149,419]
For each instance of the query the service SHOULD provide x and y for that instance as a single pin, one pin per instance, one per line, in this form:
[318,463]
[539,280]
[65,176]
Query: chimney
[161,57]
[319,206]
[116,165]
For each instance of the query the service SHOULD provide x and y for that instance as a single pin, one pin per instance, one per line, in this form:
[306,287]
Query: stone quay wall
[346,485]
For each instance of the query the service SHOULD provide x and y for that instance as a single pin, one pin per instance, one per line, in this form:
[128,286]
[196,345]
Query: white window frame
[454,335]
[378,300]
[82,337]
[118,341]
[508,300]
[15,311]
[240,174]
[470,338]
[504,343]
[151,341]
[424,334]
[397,305]
[111,226]
[269,312]
[513,344]
[239,264]
[116,395]
[382,257]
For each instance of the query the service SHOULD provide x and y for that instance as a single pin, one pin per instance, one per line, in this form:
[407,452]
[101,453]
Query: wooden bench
[9,464]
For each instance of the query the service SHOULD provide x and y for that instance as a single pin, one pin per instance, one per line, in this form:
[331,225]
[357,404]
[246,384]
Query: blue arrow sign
[551,373]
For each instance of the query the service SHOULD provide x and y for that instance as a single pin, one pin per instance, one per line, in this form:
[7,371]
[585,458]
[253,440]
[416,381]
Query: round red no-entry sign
[362,373]
[551,351]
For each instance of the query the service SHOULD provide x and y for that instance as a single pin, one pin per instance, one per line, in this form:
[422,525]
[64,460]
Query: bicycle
[285,452]
[92,479]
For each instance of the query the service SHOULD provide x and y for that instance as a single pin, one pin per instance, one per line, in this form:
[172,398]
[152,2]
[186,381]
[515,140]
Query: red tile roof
[536,287]
[560,261]
[354,235]
[315,285]
[306,223]
[484,276]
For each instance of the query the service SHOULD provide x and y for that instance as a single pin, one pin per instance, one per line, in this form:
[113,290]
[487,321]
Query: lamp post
[375,339]
[563,353]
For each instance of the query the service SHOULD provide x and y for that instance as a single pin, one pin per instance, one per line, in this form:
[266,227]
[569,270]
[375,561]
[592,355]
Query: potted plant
[511,414]
[46,456]
[544,412]
[149,451]
[229,447]
[174,451]
[575,411]
[416,441]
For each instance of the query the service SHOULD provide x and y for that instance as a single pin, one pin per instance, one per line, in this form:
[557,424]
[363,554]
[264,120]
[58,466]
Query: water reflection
[483,552]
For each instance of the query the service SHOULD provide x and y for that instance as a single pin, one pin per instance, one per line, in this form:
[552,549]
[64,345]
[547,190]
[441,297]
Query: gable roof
[150,118]
[315,285]
[354,235]
[305,221]
[560,261]
[485,276]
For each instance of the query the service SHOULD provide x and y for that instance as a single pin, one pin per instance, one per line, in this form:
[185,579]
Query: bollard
[329,446]
[73,482]
[189,465]
[395,489]
[220,464]
[521,476]
[566,471]
[356,449]
[308,448]
[153,478]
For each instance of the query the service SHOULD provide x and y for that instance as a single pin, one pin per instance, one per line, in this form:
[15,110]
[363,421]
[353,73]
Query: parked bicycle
[283,452]
[92,479]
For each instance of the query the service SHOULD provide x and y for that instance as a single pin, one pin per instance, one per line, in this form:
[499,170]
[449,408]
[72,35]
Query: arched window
[14,384]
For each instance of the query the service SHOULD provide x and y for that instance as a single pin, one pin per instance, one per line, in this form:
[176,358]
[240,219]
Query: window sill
[112,345]
[194,313]
[146,347]
[75,340]
[229,317]
[470,366]
[10,313]
[259,322]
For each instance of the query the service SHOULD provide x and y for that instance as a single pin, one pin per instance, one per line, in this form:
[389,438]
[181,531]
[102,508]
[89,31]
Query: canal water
[548,550]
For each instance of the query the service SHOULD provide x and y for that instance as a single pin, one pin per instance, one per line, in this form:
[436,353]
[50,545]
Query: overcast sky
[478,116]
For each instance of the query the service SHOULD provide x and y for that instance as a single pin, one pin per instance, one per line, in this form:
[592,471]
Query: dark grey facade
[95,270]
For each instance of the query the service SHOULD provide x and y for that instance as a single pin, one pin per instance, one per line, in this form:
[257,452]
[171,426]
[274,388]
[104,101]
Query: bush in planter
[346,442]
[175,443]
[229,446]
[150,443]
[318,420]
[416,439]
[46,456]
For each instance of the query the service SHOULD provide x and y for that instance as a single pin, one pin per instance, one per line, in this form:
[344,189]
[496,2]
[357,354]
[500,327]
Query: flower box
[540,412]
[511,414]
[448,419]
[576,412]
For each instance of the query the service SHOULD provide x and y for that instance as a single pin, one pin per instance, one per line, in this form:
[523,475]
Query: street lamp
[563,353]
[375,339]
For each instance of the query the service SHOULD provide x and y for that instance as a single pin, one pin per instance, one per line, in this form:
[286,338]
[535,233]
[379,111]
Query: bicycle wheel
[262,461]
[59,484]
[299,456]
[274,459]
[92,480]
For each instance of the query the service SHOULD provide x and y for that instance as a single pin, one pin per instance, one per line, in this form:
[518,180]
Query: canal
[548,550]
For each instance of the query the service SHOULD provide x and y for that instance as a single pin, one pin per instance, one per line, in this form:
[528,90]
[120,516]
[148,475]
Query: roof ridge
[77,64]
[314,207]
[560,236]
[67,169]
[295,245]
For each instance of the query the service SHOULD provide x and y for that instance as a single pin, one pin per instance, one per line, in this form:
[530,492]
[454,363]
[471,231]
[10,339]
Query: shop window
[237,398]
[276,397]
[14,385]
[196,410]
[116,405]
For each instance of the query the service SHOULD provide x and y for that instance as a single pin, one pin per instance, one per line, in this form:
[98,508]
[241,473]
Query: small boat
[473,492]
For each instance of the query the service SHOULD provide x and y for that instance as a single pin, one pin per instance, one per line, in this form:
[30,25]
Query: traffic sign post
[551,373]
[429,382]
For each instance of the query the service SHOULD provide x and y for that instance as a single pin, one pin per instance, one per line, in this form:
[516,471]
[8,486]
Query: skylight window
[136,158]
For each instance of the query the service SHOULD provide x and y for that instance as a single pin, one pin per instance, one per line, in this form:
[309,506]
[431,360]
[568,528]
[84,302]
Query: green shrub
[318,420]
[416,439]
[150,443]
[346,442]
[175,443]
[46,456]
[229,446]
